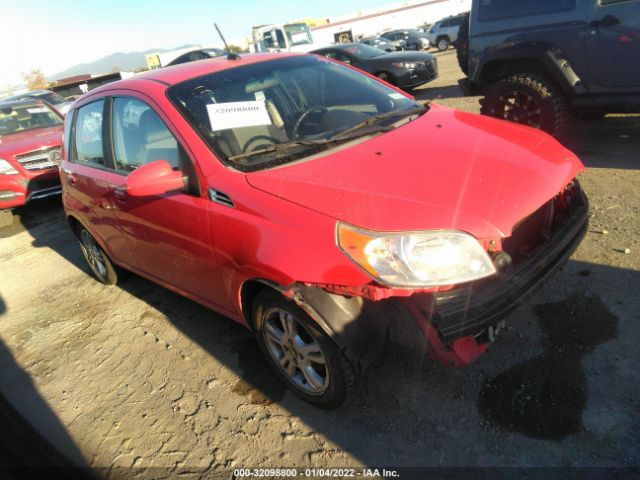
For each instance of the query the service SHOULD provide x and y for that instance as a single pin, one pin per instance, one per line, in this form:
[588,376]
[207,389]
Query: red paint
[459,353]
[445,170]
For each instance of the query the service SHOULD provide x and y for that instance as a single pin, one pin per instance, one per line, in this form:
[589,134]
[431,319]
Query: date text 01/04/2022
[315,472]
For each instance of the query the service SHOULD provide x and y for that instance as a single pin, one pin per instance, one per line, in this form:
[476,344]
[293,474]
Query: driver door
[168,235]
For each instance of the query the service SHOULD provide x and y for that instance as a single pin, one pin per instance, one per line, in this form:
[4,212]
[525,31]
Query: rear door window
[499,9]
[88,134]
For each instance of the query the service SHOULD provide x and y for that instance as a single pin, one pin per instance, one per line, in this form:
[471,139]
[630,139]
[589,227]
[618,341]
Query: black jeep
[537,62]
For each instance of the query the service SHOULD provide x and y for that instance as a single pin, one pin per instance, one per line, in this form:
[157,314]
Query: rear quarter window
[500,9]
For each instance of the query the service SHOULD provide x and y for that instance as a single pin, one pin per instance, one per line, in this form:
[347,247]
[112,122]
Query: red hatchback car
[30,142]
[322,208]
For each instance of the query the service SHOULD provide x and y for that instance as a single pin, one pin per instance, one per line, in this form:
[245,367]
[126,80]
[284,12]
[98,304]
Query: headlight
[408,65]
[6,168]
[420,259]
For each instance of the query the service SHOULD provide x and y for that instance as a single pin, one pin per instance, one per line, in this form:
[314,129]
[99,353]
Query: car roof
[174,74]
[338,46]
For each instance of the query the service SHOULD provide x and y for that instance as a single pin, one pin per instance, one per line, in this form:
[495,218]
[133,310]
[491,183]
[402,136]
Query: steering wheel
[304,116]
[257,138]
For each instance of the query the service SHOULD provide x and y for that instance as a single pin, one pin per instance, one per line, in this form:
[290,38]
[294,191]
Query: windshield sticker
[37,110]
[237,115]
[260,96]
[397,96]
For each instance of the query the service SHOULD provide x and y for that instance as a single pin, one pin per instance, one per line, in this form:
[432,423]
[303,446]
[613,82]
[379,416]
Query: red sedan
[30,141]
[322,208]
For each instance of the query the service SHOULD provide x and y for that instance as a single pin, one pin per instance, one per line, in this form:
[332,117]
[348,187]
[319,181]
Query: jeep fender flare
[552,60]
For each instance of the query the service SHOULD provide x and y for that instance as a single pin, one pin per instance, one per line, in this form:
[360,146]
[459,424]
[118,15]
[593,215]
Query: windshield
[21,118]
[362,50]
[51,97]
[299,104]
[298,34]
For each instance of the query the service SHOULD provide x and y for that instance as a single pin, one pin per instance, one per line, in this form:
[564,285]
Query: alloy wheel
[295,351]
[93,254]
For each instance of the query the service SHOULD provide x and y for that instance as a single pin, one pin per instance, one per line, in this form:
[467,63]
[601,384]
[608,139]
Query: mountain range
[127,62]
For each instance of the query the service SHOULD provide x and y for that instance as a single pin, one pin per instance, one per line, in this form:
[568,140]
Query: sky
[54,35]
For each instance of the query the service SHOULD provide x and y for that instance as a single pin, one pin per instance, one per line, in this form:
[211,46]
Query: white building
[408,14]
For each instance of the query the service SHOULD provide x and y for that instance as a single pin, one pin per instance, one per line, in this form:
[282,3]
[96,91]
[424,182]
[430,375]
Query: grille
[40,159]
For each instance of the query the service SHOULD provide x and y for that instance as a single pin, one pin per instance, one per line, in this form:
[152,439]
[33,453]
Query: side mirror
[155,178]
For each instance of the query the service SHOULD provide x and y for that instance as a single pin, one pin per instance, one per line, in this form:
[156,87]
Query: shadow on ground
[33,442]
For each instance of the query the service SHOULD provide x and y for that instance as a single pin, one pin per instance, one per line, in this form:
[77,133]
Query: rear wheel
[6,218]
[443,44]
[97,259]
[530,99]
[301,353]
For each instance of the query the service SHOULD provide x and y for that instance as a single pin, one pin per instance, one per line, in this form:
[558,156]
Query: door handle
[606,21]
[72,179]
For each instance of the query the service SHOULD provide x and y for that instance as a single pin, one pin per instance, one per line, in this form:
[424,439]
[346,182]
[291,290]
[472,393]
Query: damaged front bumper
[456,326]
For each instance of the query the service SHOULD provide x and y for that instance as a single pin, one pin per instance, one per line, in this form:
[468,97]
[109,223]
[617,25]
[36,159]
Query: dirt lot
[135,376]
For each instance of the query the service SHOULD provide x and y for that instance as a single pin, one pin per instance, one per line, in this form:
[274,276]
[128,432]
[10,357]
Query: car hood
[445,170]
[402,57]
[21,142]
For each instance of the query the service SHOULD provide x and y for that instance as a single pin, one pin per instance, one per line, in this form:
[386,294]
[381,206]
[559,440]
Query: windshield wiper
[377,118]
[344,135]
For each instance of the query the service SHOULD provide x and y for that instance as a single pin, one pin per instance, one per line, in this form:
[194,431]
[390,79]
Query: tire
[443,44]
[462,46]
[284,332]
[387,77]
[6,218]
[530,99]
[99,263]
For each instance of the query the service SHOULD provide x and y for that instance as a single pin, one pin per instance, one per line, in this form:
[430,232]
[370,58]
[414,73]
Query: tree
[35,79]
[236,49]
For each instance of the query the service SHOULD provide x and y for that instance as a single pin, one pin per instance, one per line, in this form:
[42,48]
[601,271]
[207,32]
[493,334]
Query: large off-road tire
[301,353]
[6,218]
[462,45]
[530,99]
[99,262]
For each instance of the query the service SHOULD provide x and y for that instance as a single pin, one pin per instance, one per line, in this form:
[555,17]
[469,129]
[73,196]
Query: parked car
[198,54]
[30,140]
[49,96]
[537,63]
[413,38]
[321,208]
[403,69]
[444,33]
[383,43]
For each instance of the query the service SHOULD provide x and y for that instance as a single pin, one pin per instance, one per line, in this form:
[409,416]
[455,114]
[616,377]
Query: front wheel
[97,259]
[387,77]
[301,353]
[530,99]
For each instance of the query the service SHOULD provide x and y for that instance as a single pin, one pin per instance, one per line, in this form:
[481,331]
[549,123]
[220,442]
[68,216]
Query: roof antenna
[230,56]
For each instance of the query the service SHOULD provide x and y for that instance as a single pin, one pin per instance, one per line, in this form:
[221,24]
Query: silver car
[445,32]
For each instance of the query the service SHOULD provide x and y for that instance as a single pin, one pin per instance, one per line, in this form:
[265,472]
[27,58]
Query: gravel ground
[140,383]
